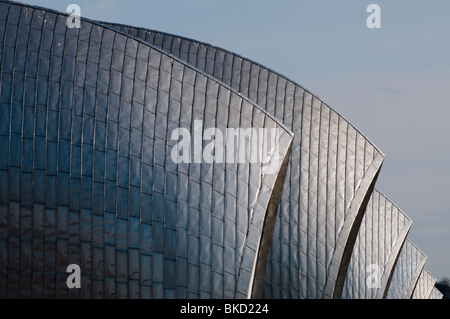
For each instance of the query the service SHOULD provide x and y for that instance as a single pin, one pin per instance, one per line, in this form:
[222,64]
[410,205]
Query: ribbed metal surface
[382,233]
[331,169]
[86,175]
[436,294]
[424,285]
[407,271]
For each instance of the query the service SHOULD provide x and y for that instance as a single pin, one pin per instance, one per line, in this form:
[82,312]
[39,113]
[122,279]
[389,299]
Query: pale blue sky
[393,83]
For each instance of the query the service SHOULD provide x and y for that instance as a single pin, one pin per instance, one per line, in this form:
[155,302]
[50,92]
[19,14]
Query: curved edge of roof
[427,271]
[254,62]
[100,24]
[415,246]
[395,205]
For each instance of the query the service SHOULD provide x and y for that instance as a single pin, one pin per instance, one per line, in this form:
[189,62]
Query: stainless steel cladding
[156,166]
